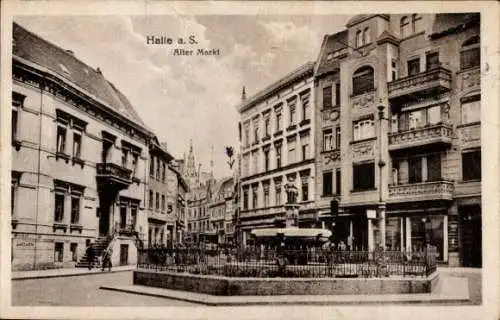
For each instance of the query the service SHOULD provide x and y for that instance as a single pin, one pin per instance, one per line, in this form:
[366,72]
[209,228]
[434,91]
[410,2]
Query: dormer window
[359,40]
[470,53]
[405,27]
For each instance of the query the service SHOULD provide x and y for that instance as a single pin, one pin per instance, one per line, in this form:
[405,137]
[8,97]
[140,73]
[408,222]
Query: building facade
[79,160]
[277,146]
[398,114]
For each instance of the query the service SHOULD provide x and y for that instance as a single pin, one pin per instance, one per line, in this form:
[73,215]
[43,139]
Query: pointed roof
[30,47]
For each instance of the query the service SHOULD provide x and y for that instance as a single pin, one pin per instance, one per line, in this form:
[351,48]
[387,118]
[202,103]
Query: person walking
[106,259]
[90,255]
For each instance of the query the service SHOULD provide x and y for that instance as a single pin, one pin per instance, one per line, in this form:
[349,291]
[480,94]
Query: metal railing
[306,263]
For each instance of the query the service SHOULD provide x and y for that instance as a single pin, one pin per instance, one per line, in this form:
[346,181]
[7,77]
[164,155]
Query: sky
[190,97]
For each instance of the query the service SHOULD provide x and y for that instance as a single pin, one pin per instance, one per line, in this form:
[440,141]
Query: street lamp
[381,165]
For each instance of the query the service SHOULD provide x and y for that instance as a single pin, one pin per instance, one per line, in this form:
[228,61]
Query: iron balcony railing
[114,171]
[309,263]
[435,78]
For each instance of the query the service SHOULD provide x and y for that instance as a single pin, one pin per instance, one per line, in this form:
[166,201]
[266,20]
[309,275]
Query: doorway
[471,236]
[124,254]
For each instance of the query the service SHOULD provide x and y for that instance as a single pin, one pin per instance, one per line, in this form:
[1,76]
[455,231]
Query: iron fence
[309,263]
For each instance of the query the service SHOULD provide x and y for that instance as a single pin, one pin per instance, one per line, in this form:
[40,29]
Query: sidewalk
[65,272]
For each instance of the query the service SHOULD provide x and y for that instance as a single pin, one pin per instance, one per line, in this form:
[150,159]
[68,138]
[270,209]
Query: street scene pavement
[82,290]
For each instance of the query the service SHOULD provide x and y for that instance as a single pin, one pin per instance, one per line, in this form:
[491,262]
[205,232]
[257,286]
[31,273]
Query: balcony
[127,230]
[431,190]
[435,135]
[111,174]
[428,83]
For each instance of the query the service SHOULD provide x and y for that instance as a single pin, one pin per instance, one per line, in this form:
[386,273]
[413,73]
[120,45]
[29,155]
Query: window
[327,140]
[327,97]
[13,193]
[471,110]
[337,94]
[246,165]
[267,126]
[133,214]
[305,151]
[337,138]
[364,129]
[364,176]
[433,115]
[278,194]
[420,118]
[256,132]
[363,80]
[164,172]
[278,156]
[413,66]
[245,199]
[17,102]
[162,203]
[359,41]
[415,170]
[74,251]
[432,60]
[247,135]
[152,166]
[254,197]
[434,167]
[305,108]
[291,151]
[266,196]
[305,190]
[416,22]
[292,113]
[75,210]
[124,158]
[59,207]
[123,217]
[327,183]
[337,181]
[157,201]
[158,168]
[470,54]
[278,121]
[255,162]
[135,159]
[61,139]
[471,165]
[366,36]
[58,252]
[266,160]
[151,199]
[14,123]
[405,27]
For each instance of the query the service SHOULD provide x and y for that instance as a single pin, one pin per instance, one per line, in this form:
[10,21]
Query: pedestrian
[90,255]
[106,259]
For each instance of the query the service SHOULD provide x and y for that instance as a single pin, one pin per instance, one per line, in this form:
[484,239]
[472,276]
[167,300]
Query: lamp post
[381,165]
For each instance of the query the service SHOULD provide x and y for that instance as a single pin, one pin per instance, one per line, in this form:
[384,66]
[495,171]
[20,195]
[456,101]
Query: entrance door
[471,232]
[103,220]
[124,254]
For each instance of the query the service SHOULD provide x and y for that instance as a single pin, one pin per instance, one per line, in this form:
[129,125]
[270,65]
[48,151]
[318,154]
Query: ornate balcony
[111,174]
[439,134]
[423,84]
[432,190]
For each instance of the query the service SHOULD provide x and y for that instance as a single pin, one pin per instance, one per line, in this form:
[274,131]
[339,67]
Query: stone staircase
[99,246]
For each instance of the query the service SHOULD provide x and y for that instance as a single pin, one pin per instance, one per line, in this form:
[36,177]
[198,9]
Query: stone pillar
[408,234]
[323,224]
[382,225]
[424,169]
[445,238]
[244,238]
[371,245]
[402,229]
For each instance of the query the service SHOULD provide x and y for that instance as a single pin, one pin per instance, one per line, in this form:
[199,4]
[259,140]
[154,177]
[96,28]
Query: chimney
[70,52]
[243,94]
[98,70]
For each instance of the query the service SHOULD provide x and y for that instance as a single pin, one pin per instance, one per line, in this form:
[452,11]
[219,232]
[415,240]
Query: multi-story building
[405,91]
[162,191]
[220,212]
[79,159]
[277,147]
[177,200]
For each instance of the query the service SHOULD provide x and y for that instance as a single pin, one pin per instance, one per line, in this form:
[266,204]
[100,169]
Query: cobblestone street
[82,291]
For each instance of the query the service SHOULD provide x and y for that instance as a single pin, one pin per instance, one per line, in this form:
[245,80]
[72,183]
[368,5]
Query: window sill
[278,133]
[363,190]
[79,161]
[468,69]
[16,144]
[470,124]
[291,127]
[330,151]
[76,226]
[305,122]
[62,155]
[363,140]
[60,225]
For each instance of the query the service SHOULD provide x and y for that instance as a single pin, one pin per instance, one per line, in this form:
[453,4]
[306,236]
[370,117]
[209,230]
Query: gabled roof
[331,43]
[30,47]
[302,71]
[362,17]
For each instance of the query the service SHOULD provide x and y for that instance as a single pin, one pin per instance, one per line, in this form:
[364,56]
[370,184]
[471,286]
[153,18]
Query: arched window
[416,23]
[470,54]
[362,80]
[366,36]
[405,27]
[358,39]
